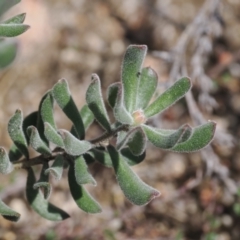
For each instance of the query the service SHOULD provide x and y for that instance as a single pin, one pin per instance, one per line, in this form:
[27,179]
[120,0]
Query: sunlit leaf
[8,213]
[131,69]
[57,167]
[36,142]
[74,146]
[164,141]
[87,116]
[147,85]
[169,97]
[62,95]
[82,198]
[201,136]
[41,205]
[52,135]
[81,172]
[16,133]
[135,139]
[119,110]
[12,29]
[135,190]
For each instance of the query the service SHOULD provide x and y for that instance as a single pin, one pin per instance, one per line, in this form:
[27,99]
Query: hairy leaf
[112,93]
[131,69]
[135,190]
[147,85]
[81,172]
[62,95]
[29,120]
[102,157]
[12,29]
[201,136]
[136,141]
[36,142]
[8,213]
[16,19]
[14,153]
[95,102]
[130,158]
[89,158]
[46,110]
[8,50]
[87,116]
[119,110]
[169,97]
[164,141]
[43,182]
[57,167]
[16,133]
[74,146]
[52,135]
[5,164]
[82,198]
[41,205]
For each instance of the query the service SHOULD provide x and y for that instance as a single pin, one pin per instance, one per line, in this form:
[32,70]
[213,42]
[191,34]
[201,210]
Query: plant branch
[26,163]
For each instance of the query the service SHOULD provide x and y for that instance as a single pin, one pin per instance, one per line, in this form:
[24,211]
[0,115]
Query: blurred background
[74,38]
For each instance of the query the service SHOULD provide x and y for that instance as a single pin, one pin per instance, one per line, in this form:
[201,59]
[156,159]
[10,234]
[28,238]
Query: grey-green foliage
[10,28]
[133,103]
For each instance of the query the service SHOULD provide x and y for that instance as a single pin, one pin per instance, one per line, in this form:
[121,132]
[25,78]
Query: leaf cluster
[133,101]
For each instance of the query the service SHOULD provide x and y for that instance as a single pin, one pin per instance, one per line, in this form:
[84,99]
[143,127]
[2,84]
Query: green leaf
[8,213]
[43,182]
[119,110]
[136,141]
[112,93]
[131,68]
[169,97]
[12,29]
[6,4]
[52,135]
[135,190]
[14,153]
[8,50]
[16,133]
[57,167]
[95,102]
[5,164]
[81,172]
[164,141]
[87,116]
[41,205]
[82,198]
[132,159]
[36,142]
[62,95]
[89,159]
[16,19]
[46,110]
[29,120]
[147,85]
[201,136]
[74,146]
[101,156]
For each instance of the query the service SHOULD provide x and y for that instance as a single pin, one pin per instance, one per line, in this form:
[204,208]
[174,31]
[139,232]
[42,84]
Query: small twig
[26,163]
